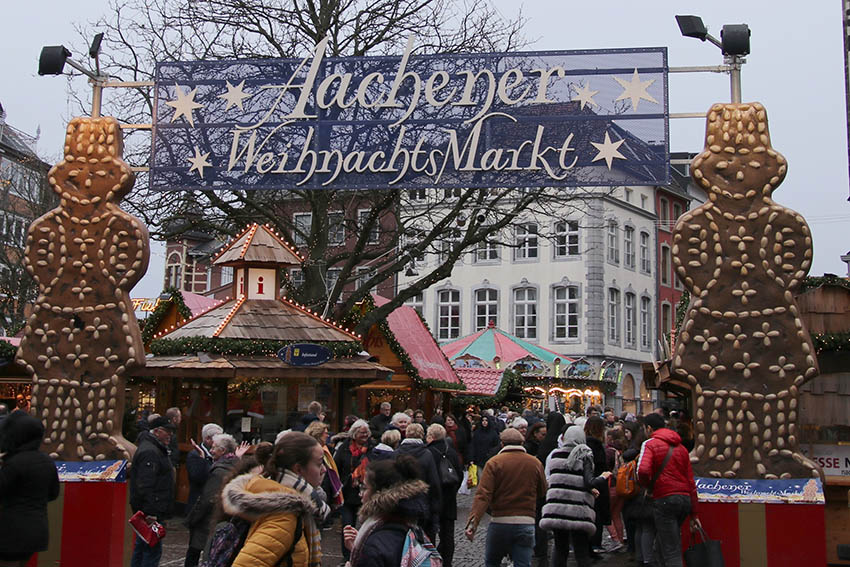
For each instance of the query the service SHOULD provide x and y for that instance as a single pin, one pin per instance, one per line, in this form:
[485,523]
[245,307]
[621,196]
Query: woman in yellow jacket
[283,506]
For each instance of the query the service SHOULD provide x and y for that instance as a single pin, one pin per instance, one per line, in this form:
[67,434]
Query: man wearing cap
[152,486]
[510,486]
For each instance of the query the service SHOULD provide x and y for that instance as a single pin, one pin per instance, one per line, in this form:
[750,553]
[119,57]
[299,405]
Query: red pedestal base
[765,535]
[88,526]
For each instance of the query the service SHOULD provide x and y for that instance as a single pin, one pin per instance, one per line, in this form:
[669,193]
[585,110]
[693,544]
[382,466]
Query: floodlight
[692,26]
[52,60]
[735,39]
[94,50]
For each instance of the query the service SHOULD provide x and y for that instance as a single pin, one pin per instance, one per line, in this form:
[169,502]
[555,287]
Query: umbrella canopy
[491,342]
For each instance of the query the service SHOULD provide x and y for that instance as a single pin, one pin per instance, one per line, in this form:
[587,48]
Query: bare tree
[139,33]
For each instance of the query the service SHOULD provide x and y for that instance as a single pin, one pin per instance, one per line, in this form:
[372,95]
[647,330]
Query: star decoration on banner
[184,105]
[635,90]
[234,95]
[608,150]
[585,95]
[199,162]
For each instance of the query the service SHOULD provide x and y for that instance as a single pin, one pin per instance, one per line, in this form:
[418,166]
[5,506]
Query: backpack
[448,474]
[229,536]
[627,485]
[418,551]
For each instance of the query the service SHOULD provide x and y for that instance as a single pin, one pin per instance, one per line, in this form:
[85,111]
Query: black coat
[448,502]
[423,456]
[397,509]
[198,470]
[152,479]
[28,481]
[200,515]
[485,444]
[346,463]
[461,446]
[378,424]
[600,465]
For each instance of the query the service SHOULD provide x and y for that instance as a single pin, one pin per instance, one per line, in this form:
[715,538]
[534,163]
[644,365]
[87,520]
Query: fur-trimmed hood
[402,499]
[250,497]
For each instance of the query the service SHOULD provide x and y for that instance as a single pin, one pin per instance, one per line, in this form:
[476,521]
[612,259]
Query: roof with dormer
[258,244]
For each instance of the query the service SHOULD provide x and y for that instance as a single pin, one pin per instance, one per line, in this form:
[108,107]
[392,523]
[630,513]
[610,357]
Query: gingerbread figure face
[742,346]
[82,336]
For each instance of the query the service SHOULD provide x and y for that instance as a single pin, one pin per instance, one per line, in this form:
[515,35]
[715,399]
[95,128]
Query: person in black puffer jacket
[394,501]
[28,481]
[441,448]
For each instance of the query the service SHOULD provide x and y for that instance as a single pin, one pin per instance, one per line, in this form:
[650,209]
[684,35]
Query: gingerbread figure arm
[695,244]
[786,247]
[125,251]
[41,251]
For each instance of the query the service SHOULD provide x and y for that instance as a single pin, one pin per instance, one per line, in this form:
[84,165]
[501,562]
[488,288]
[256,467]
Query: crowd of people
[392,482]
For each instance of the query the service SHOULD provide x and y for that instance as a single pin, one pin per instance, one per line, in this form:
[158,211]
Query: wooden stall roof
[258,244]
[825,309]
[261,319]
[235,366]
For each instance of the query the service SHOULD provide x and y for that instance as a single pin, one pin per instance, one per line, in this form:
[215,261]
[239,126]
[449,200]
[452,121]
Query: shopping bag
[706,553]
[150,532]
[464,484]
[473,476]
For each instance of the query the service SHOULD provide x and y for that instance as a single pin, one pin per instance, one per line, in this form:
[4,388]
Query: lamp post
[734,43]
[54,57]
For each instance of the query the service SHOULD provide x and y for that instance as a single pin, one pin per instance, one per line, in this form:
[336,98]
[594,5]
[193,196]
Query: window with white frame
[666,320]
[525,313]
[174,272]
[448,315]
[665,265]
[566,239]
[664,213]
[631,320]
[417,302]
[486,251]
[301,228]
[336,228]
[448,242]
[486,308]
[645,322]
[613,242]
[363,274]
[527,242]
[419,194]
[629,247]
[627,193]
[13,229]
[296,277]
[643,201]
[566,308]
[331,277]
[452,193]
[226,275]
[613,315]
[677,212]
[374,232]
[645,265]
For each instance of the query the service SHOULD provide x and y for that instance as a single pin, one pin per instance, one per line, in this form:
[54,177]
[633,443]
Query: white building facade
[581,283]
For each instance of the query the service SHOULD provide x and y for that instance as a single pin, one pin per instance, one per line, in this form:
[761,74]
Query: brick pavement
[467,554]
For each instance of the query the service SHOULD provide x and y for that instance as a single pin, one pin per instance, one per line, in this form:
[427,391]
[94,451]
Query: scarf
[366,529]
[311,532]
[333,477]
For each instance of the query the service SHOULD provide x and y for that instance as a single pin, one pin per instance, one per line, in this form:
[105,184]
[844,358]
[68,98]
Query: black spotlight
[692,26]
[52,60]
[735,39]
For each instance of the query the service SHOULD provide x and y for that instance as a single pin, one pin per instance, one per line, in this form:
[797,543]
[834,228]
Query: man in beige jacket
[510,486]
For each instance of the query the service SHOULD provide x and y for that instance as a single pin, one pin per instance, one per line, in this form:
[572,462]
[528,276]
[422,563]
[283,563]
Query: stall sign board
[778,491]
[529,119]
[304,354]
[833,459]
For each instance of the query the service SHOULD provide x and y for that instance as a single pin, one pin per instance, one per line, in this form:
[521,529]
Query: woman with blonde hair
[332,485]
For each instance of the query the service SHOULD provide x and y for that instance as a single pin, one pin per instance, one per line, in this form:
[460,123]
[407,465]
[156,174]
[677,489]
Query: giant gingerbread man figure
[82,337]
[743,347]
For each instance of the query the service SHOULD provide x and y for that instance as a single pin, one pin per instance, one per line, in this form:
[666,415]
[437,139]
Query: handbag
[706,553]
[151,533]
[472,480]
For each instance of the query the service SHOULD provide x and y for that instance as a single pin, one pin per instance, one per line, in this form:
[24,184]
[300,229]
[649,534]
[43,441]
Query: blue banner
[779,491]
[92,471]
[551,118]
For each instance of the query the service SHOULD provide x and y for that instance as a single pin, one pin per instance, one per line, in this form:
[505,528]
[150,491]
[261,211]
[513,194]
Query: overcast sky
[796,70]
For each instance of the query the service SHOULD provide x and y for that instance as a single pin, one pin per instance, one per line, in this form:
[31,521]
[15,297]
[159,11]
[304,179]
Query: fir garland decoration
[831,342]
[354,317]
[7,351]
[682,308]
[243,347]
[151,323]
[813,282]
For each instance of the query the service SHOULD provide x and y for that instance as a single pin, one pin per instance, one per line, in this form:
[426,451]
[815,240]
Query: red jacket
[677,477]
